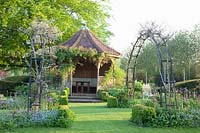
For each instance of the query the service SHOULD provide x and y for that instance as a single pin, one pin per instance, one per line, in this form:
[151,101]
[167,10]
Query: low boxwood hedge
[112,102]
[143,115]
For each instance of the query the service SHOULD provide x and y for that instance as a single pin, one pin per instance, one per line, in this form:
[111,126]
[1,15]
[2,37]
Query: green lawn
[96,117]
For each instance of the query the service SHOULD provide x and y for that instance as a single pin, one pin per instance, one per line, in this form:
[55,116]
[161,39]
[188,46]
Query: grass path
[97,118]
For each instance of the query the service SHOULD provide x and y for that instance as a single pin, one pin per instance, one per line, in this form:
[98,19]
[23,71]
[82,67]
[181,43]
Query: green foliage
[104,96]
[100,93]
[177,118]
[66,15]
[138,86]
[145,102]
[65,118]
[120,94]
[10,120]
[122,99]
[143,115]
[117,73]
[22,89]
[112,102]
[184,48]
[63,100]
[53,100]
[8,85]
[15,103]
[67,59]
[190,104]
[189,84]
[65,92]
[137,95]
[63,107]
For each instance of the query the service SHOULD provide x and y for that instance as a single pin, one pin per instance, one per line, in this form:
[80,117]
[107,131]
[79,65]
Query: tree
[67,15]
[184,48]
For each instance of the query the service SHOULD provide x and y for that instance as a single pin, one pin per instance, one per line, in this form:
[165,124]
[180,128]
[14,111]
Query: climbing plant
[68,58]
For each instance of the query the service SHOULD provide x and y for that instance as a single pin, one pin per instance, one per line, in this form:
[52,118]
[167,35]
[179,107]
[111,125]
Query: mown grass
[97,118]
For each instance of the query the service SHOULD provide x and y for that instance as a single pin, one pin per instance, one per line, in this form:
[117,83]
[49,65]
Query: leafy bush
[145,102]
[63,107]
[177,118]
[65,92]
[138,86]
[143,115]
[8,84]
[122,99]
[7,104]
[117,75]
[22,89]
[9,120]
[194,104]
[112,102]
[104,95]
[137,95]
[53,100]
[63,100]
[65,118]
[44,118]
[121,95]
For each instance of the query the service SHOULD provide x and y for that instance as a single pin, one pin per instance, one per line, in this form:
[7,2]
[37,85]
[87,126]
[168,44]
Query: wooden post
[71,82]
[98,67]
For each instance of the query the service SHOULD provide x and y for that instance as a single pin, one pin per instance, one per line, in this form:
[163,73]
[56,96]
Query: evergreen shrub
[143,115]
[112,102]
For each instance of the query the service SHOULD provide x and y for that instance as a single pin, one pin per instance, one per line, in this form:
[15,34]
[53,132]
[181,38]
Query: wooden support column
[71,82]
[98,67]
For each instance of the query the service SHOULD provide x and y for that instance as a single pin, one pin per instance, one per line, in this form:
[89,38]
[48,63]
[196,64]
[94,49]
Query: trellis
[41,36]
[154,34]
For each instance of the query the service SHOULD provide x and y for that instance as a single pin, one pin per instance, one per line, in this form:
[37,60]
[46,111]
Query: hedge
[7,85]
[112,102]
[143,115]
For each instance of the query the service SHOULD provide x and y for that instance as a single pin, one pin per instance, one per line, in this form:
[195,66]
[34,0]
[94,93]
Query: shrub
[146,102]
[9,120]
[137,95]
[7,104]
[22,89]
[122,99]
[63,107]
[63,100]
[8,84]
[65,118]
[43,118]
[194,104]
[104,96]
[177,118]
[143,115]
[112,102]
[121,95]
[65,92]
[62,117]
[138,86]
[53,100]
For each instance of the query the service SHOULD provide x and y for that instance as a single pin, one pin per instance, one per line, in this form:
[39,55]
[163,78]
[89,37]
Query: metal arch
[166,70]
